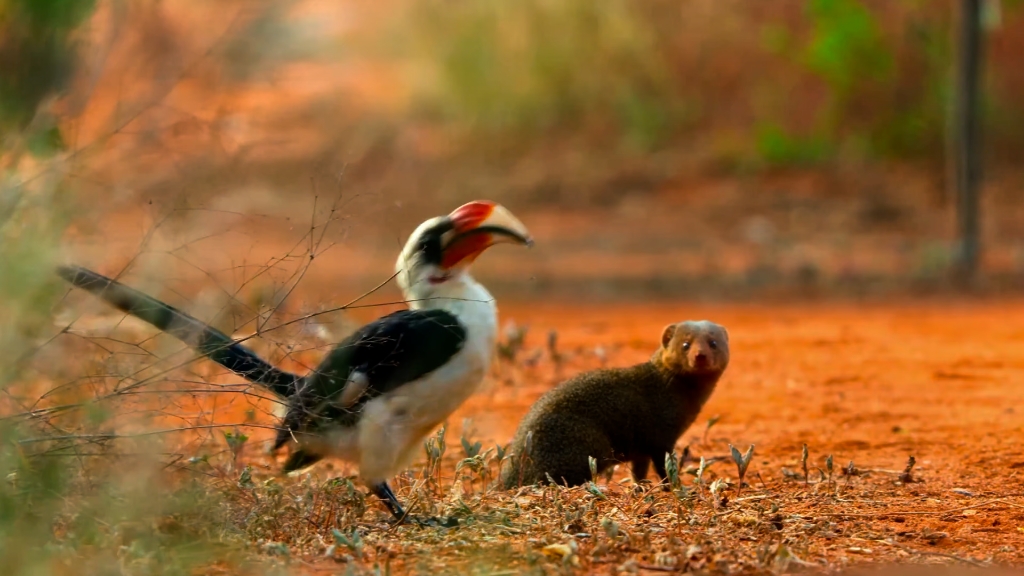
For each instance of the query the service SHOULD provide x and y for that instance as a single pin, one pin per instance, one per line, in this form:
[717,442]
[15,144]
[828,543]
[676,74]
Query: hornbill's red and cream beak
[476,226]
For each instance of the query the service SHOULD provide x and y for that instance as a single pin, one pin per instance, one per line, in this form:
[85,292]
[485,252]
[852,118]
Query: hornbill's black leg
[383,491]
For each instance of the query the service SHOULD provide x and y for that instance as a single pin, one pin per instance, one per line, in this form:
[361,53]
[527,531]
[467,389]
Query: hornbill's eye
[429,244]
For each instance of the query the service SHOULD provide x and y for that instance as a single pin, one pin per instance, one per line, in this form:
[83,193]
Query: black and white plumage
[378,393]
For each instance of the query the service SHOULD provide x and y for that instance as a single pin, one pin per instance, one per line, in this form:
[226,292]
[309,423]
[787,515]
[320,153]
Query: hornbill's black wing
[209,341]
[389,352]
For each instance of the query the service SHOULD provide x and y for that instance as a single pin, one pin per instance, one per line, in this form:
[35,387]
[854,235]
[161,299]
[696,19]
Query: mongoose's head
[694,347]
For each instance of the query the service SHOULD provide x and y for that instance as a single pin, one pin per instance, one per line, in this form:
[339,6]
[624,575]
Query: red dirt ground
[872,384]
[939,380]
[869,384]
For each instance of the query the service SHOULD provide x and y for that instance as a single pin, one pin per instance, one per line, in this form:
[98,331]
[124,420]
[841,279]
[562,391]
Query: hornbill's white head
[436,258]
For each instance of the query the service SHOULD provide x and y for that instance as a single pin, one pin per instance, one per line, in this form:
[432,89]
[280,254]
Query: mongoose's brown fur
[632,414]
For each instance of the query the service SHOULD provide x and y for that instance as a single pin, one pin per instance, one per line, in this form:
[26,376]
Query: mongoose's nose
[700,360]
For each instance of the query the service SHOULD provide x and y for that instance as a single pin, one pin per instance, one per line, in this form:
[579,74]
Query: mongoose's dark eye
[686,345]
[713,344]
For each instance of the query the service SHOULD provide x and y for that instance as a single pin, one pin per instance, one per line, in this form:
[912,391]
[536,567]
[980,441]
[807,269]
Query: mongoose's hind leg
[562,447]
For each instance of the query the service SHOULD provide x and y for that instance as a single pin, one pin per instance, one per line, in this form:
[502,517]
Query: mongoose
[633,414]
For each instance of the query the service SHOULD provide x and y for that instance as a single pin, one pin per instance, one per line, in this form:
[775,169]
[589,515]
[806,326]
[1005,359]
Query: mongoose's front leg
[641,464]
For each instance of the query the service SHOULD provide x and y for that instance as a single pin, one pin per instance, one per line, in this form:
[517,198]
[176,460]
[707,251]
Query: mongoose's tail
[209,341]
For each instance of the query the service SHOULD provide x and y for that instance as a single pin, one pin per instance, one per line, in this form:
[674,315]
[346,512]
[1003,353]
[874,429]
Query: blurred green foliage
[845,47]
[526,68]
[874,79]
[778,147]
[110,518]
[69,503]
[886,96]
[37,55]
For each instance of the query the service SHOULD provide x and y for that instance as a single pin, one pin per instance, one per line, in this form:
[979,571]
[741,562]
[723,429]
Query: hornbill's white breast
[390,428]
[378,393]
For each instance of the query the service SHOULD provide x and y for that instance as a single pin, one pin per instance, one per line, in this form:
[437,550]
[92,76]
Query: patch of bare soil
[911,415]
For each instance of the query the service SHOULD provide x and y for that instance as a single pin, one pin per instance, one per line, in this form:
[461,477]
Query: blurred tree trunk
[968,142]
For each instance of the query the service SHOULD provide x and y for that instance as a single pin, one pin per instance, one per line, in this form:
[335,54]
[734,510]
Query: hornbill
[377,394]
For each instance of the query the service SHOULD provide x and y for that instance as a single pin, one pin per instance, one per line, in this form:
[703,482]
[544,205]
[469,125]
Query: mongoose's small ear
[666,336]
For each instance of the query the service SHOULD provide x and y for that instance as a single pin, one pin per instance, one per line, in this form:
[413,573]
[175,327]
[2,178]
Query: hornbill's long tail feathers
[209,341]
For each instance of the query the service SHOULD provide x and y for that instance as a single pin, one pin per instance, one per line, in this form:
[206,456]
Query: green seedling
[527,451]
[433,453]
[610,527]
[850,471]
[711,422]
[699,480]
[742,462]
[905,476]
[440,437]
[474,463]
[828,466]
[672,470]
[515,337]
[277,549]
[715,488]
[593,489]
[471,450]
[592,462]
[435,448]
[352,541]
[553,352]
[236,442]
[245,478]
[803,461]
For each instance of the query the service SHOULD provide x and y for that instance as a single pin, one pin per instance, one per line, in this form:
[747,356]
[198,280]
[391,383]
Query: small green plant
[906,477]
[803,462]
[553,353]
[717,490]
[672,470]
[515,338]
[742,462]
[610,527]
[245,479]
[435,448]
[352,541]
[711,422]
[236,442]
[778,147]
[471,449]
[699,476]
